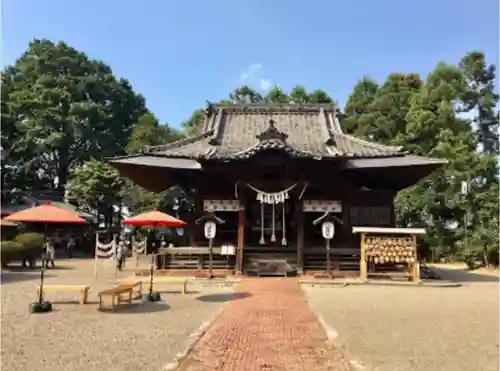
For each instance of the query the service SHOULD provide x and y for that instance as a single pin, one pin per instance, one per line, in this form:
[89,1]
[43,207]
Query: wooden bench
[116,293]
[169,279]
[83,289]
[133,285]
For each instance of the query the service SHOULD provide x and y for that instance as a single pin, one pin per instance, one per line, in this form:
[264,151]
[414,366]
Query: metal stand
[210,254]
[151,274]
[42,271]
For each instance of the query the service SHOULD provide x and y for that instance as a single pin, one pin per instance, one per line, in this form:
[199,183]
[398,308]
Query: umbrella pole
[151,274]
[40,294]
[42,268]
[95,254]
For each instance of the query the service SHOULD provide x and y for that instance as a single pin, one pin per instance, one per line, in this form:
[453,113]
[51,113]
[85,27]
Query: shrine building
[270,171]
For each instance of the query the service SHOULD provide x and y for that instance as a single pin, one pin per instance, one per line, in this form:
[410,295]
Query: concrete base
[342,283]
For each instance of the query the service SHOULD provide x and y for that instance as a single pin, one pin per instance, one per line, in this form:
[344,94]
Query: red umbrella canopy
[154,218]
[46,213]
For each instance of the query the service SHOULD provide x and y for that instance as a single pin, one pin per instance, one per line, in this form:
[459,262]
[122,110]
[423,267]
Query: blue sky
[180,53]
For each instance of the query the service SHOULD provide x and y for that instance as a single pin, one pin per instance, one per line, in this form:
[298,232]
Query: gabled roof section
[239,131]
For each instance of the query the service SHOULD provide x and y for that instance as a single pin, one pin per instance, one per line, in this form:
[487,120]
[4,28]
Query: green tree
[64,109]
[148,132]
[479,102]
[194,125]
[378,113]
[96,187]
[358,118]
[299,95]
[480,96]
[245,94]
[319,96]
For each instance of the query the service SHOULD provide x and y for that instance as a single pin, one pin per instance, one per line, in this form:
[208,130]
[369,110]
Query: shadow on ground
[177,292]
[19,276]
[149,307]
[462,275]
[220,298]
[19,268]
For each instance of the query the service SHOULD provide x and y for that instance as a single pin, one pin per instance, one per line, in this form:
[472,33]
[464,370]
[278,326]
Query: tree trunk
[63,168]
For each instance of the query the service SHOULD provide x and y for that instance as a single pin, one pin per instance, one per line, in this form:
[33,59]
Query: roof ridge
[177,143]
[381,147]
[265,108]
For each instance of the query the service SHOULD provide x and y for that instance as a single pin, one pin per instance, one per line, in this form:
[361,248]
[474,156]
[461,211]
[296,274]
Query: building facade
[270,171]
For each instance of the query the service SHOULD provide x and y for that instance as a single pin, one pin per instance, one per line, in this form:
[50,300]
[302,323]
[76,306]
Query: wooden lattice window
[371,215]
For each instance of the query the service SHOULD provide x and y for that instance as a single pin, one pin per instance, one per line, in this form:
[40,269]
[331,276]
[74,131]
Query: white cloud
[253,76]
[264,84]
[251,72]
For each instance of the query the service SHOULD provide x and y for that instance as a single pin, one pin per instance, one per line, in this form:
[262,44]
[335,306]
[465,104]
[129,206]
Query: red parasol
[46,213]
[154,218]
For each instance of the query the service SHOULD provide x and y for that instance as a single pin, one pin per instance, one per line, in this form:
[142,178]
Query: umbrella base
[44,307]
[154,296]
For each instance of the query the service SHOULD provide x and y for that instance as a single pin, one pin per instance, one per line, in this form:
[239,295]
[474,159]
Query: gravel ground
[80,337]
[415,328]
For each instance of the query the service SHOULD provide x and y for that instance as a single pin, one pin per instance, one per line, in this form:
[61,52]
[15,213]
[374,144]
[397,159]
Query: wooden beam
[416,263]
[346,217]
[198,212]
[241,237]
[299,220]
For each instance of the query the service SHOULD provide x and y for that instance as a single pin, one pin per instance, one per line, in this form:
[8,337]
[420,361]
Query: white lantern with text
[210,229]
[328,230]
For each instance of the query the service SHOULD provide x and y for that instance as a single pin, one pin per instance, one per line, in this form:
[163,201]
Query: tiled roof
[302,130]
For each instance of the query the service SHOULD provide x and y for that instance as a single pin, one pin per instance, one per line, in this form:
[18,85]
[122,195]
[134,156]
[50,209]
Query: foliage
[60,109]
[148,132]
[10,247]
[24,246]
[433,118]
[96,186]
[30,240]
[62,113]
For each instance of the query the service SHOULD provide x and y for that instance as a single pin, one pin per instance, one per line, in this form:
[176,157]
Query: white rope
[262,241]
[283,228]
[272,197]
[273,224]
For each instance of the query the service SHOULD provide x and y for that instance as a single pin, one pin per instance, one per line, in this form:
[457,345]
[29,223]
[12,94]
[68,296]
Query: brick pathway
[266,327]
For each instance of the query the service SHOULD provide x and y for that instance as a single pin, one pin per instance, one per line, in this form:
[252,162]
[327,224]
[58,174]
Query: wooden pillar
[346,218]
[416,263]
[299,220]
[241,237]
[363,269]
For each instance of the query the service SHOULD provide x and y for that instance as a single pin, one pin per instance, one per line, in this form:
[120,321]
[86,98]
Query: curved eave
[392,172]
[399,161]
[154,173]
